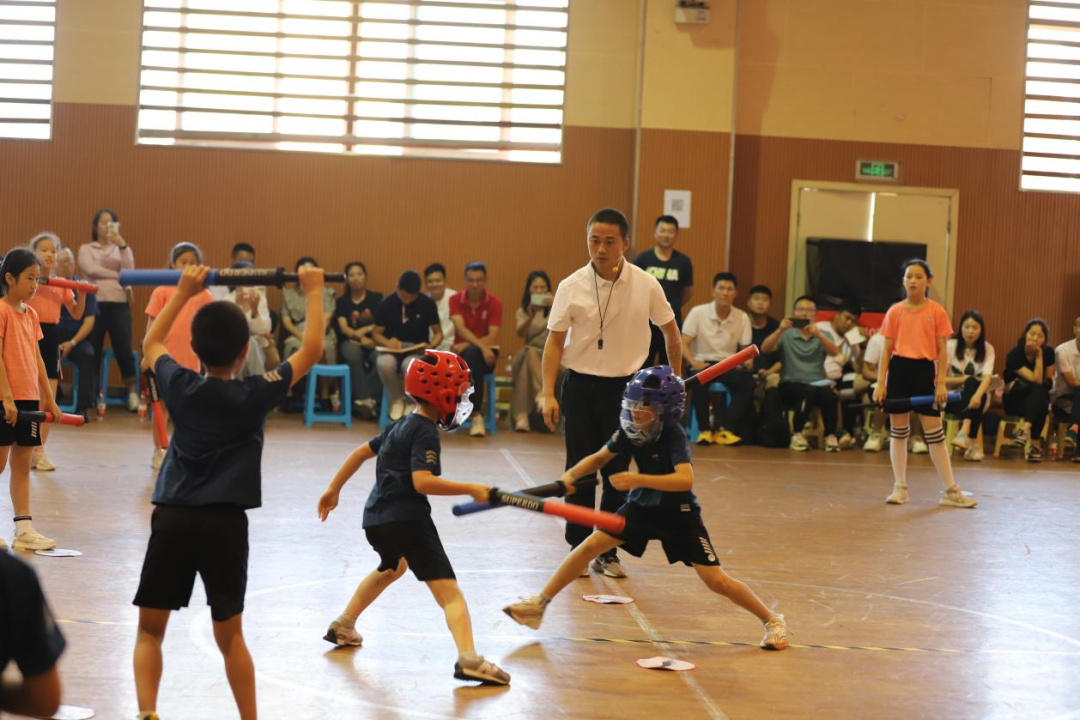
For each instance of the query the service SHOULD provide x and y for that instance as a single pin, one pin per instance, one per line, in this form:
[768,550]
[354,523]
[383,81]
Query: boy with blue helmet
[660,505]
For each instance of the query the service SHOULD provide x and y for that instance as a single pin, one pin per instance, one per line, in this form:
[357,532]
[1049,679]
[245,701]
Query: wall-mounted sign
[877,170]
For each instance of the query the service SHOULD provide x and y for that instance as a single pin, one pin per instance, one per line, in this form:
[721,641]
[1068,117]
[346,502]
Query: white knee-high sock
[935,440]
[898,453]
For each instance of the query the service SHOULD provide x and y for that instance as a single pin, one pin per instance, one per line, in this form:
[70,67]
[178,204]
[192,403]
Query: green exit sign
[877,170]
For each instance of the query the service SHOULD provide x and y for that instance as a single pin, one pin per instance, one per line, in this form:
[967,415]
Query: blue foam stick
[471,507]
[920,400]
[158,277]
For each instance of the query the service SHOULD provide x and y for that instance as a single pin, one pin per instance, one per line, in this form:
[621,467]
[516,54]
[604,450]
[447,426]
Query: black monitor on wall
[867,272]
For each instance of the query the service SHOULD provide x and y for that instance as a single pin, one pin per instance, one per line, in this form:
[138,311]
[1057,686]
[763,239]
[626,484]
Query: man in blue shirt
[210,477]
[73,336]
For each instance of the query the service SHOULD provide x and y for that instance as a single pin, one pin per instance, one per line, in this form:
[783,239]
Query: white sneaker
[133,402]
[832,444]
[776,634]
[522,424]
[609,566]
[33,540]
[157,458]
[528,611]
[918,447]
[874,442]
[39,462]
[899,495]
[397,409]
[798,443]
[342,636]
[962,441]
[953,497]
[973,454]
[476,427]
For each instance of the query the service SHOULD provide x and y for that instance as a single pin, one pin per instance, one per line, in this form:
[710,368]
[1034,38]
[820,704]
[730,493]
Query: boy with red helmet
[397,516]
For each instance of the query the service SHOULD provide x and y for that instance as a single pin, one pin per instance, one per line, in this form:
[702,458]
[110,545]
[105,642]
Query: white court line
[521,471]
[647,627]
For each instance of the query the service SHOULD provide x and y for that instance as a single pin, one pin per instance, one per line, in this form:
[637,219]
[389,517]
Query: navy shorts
[23,434]
[680,531]
[415,540]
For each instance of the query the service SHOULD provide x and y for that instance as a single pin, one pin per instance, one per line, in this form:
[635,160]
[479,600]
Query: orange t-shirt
[20,332]
[915,332]
[47,301]
[178,341]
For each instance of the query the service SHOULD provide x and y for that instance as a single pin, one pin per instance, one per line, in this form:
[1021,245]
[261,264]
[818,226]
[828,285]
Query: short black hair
[435,268]
[850,306]
[304,261]
[474,266]
[730,277]
[97,216]
[409,281]
[670,219]
[610,216]
[762,289]
[242,247]
[219,333]
[804,297]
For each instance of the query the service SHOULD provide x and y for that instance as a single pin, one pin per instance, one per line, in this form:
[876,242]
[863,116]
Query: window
[1051,151]
[448,78]
[27,29]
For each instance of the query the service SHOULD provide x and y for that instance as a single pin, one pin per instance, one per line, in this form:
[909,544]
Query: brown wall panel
[391,213]
[695,161]
[1018,254]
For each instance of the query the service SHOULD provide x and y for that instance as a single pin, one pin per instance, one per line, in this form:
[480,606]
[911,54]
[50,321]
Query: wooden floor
[898,612]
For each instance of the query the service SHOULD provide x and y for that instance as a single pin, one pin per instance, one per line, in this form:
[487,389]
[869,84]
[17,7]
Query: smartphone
[541,299]
[799,322]
[114,227]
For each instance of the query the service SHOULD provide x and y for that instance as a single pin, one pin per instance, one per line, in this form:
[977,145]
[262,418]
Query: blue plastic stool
[344,416]
[715,387]
[70,407]
[491,416]
[107,357]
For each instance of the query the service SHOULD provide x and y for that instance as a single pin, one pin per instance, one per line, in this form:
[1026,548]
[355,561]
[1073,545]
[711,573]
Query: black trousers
[802,398]
[115,318]
[1074,414]
[960,407]
[590,410]
[1031,402]
[82,355]
[740,385]
[474,358]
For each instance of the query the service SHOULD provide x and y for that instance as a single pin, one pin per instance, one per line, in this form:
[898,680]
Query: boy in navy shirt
[660,505]
[210,477]
[30,638]
[397,516]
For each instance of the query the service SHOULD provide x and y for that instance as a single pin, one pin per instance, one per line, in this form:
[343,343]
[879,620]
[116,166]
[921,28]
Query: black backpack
[772,424]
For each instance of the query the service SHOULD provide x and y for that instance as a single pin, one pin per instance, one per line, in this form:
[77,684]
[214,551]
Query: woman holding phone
[101,261]
[532,328]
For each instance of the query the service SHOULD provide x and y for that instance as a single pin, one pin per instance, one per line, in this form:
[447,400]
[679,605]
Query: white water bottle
[101,405]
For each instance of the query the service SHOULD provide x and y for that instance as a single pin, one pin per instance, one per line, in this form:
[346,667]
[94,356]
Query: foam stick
[228,276]
[555,489]
[158,408]
[571,513]
[712,372]
[69,284]
[40,417]
[903,405]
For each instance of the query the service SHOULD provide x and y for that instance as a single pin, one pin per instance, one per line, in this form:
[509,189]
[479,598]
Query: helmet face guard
[658,389]
[462,412]
[640,435]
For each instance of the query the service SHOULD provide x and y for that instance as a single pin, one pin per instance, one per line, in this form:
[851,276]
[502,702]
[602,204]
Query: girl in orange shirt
[915,332]
[46,302]
[178,341]
[24,385]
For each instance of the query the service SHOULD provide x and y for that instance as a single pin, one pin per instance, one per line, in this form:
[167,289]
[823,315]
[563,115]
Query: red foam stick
[40,416]
[157,407]
[571,513]
[70,284]
[712,372]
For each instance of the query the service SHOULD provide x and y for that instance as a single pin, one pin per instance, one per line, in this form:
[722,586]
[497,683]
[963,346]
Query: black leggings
[960,407]
[474,358]
[802,398]
[115,318]
[740,386]
[1031,402]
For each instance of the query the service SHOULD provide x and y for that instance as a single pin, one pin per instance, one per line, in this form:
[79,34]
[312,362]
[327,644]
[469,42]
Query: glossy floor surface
[897,612]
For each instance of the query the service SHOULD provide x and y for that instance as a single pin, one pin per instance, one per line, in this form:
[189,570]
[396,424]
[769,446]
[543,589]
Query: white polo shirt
[714,339]
[834,364]
[445,321]
[874,349]
[1066,357]
[636,298]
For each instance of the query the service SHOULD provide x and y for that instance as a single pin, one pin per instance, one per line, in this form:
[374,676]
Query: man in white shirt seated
[840,368]
[435,285]
[713,332]
[1066,380]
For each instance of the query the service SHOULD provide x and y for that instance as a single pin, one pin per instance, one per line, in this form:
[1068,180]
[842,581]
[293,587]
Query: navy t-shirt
[28,633]
[657,458]
[410,323]
[68,325]
[410,444]
[215,455]
[764,361]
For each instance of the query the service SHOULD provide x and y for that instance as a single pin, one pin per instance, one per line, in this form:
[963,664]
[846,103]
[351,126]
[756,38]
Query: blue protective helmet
[662,391]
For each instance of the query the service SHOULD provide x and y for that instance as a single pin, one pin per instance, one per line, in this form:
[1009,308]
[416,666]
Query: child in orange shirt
[46,302]
[24,385]
[915,332]
[178,341]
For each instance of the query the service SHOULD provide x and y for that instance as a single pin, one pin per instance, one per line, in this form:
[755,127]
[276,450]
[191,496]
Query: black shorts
[680,532]
[211,541]
[415,540]
[909,378]
[49,345]
[24,434]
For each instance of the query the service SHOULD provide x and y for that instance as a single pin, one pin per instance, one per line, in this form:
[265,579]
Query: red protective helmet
[442,379]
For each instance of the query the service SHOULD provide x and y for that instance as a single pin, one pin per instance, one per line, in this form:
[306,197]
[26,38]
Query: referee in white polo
[599,331]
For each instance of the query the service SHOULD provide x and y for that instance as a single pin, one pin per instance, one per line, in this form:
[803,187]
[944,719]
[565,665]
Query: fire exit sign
[877,170]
